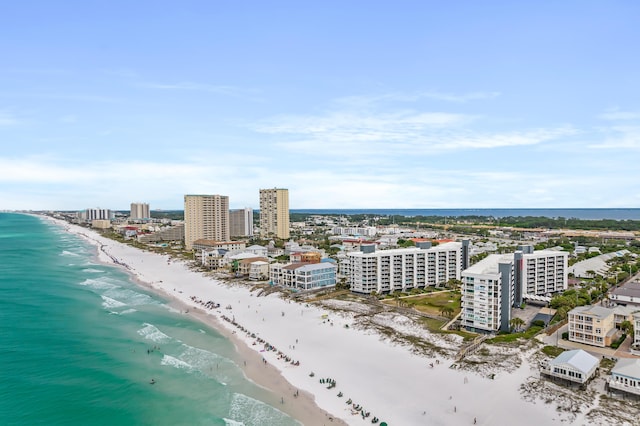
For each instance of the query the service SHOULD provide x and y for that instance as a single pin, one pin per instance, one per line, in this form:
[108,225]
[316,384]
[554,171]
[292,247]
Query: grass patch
[552,351]
[512,337]
[607,364]
[432,324]
[435,325]
[430,304]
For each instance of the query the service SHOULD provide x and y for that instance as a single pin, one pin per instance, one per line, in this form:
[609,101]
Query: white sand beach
[386,379]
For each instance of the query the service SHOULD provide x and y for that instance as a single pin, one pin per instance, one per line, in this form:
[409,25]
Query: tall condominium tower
[274,213]
[241,222]
[96,214]
[491,287]
[140,211]
[205,217]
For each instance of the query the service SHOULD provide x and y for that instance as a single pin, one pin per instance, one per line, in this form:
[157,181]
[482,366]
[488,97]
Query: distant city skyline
[347,104]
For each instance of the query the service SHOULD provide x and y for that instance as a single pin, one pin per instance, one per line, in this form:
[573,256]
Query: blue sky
[349,104]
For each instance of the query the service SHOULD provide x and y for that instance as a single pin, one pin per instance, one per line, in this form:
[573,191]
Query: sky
[348,104]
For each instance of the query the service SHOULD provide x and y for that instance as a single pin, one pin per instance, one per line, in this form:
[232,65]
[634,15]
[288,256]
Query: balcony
[614,384]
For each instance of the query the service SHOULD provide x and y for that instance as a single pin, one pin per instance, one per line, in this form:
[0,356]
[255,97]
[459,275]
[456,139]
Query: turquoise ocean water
[74,342]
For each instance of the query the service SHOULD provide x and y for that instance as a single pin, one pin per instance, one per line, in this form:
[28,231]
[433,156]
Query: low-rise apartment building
[303,276]
[233,246]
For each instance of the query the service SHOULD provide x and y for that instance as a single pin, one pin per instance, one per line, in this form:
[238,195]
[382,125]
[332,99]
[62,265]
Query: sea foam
[151,332]
[175,362]
[110,303]
[99,283]
[130,297]
[250,411]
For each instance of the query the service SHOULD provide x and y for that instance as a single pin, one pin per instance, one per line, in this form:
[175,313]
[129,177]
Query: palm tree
[446,311]
[516,323]
[627,327]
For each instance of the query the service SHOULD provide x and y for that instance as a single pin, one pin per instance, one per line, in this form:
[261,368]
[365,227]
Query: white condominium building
[139,211]
[487,294]
[539,273]
[403,269]
[205,217]
[274,213]
[492,286]
[96,214]
[241,222]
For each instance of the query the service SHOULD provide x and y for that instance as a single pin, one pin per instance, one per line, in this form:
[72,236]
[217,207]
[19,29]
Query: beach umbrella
[383,424]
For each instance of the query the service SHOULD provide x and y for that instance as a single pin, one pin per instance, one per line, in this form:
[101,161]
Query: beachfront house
[259,270]
[303,276]
[625,376]
[243,266]
[598,325]
[576,366]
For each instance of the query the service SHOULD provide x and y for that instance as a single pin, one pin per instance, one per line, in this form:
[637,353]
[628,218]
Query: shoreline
[301,407]
[383,377]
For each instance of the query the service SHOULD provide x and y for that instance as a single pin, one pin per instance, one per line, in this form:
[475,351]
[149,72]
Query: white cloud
[373,100]
[7,119]
[358,136]
[201,87]
[616,115]
[619,137]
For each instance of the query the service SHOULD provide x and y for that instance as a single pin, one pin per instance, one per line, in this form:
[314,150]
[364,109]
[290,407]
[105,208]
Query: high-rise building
[241,222]
[95,214]
[274,213]
[205,217]
[140,211]
[491,287]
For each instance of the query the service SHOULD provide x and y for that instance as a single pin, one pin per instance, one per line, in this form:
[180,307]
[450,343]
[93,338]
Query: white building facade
[487,294]
[625,376]
[495,284]
[387,271]
[303,276]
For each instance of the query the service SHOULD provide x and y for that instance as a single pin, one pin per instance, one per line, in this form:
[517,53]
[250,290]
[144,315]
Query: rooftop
[489,265]
[578,359]
[629,367]
[631,289]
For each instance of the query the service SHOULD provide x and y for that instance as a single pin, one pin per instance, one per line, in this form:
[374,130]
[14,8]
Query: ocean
[586,214]
[80,343]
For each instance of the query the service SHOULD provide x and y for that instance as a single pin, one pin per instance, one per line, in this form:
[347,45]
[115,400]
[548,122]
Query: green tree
[516,323]
[453,284]
[446,311]
[627,327]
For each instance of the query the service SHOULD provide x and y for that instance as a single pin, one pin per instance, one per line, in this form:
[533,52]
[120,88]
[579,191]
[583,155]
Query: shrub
[565,335]
[616,344]
[539,323]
